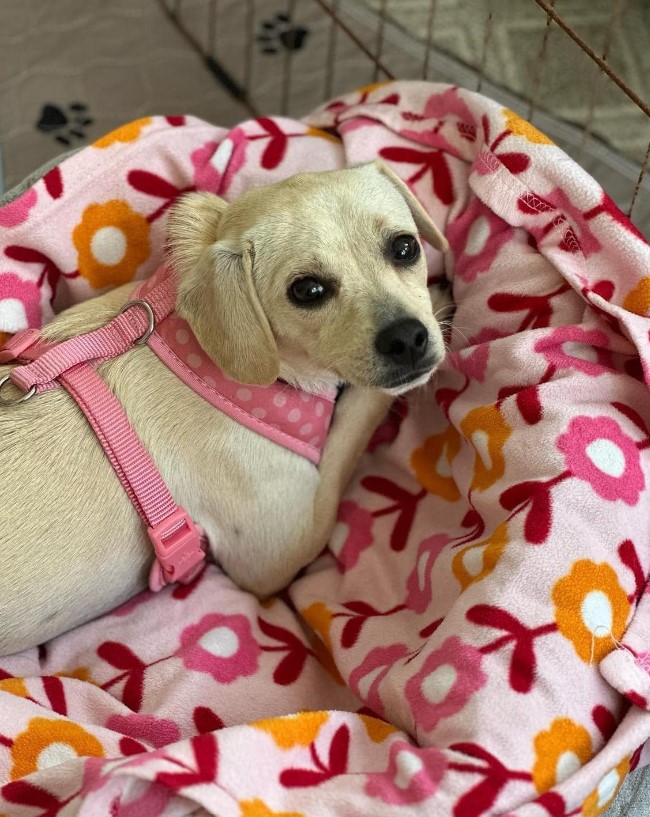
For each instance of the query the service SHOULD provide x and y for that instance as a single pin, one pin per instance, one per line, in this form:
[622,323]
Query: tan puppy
[318,280]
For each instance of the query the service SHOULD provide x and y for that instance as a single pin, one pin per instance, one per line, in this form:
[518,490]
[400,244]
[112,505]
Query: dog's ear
[423,222]
[216,293]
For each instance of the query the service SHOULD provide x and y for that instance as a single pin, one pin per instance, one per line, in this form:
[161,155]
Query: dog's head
[318,279]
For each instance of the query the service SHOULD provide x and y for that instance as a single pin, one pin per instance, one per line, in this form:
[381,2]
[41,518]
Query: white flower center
[108,245]
[220,641]
[439,683]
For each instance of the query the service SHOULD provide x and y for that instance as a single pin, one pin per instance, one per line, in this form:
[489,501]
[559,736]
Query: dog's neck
[313,382]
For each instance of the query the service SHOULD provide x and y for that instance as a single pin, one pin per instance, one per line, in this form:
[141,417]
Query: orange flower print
[127,133]
[294,730]
[48,742]
[474,562]
[319,618]
[603,795]
[323,134]
[560,751]
[258,808]
[14,686]
[377,729]
[638,299]
[112,240]
[4,337]
[432,464]
[520,127]
[591,609]
[488,432]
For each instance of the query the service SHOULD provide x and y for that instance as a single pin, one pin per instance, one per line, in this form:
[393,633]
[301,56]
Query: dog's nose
[403,342]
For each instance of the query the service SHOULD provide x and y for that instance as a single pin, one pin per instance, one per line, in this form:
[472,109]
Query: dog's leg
[358,413]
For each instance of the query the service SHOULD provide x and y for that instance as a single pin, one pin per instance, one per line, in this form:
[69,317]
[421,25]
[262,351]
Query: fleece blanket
[476,639]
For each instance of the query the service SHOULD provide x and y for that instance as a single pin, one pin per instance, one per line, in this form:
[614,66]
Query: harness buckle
[180,552]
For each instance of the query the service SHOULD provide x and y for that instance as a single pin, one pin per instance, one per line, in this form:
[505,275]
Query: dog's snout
[403,342]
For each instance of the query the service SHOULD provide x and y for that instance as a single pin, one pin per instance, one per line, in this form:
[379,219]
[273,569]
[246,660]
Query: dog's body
[72,545]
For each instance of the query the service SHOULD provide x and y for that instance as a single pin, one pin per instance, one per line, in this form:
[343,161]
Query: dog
[319,280]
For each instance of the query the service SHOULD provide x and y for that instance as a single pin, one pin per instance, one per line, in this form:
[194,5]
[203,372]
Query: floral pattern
[449,677]
[222,646]
[491,552]
[112,240]
[591,609]
[560,751]
[598,452]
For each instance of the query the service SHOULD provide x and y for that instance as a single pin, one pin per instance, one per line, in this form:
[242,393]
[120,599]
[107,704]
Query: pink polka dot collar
[282,413]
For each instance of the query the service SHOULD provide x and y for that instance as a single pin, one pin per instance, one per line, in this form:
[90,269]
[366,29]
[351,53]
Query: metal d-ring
[152,319]
[25,397]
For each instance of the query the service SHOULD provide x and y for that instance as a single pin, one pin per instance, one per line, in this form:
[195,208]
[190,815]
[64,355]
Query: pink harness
[288,416]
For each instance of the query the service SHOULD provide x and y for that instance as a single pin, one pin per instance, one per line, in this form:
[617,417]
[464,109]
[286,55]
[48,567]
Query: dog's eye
[405,249]
[308,291]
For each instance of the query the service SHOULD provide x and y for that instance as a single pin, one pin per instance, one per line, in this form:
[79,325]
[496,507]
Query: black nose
[403,342]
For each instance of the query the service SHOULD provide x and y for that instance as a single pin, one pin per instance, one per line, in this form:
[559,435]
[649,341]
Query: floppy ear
[216,293]
[423,222]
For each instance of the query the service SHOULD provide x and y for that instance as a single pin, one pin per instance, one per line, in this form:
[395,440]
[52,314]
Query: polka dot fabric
[475,642]
[290,417]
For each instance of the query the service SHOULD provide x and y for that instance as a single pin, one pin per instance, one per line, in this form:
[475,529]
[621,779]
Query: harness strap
[178,543]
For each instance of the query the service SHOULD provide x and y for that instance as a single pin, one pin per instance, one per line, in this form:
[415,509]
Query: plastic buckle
[180,552]
[16,345]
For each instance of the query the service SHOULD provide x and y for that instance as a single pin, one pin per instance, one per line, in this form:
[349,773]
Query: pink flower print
[156,732]
[222,646]
[419,583]
[215,164]
[412,775]
[449,677]
[366,678]
[476,237]
[20,303]
[17,211]
[439,109]
[571,347]
[355,531]
[597,451]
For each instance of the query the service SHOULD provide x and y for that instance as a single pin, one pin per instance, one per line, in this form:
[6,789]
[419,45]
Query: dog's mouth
[409,381]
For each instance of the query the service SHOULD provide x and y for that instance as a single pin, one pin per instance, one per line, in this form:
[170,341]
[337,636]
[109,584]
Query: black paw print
[279,33]
[64,124]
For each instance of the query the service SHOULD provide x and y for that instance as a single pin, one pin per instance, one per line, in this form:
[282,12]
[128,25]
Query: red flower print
[449,677]
[427,162]
[598,452]
[355,529]
[337,763]
[572,347]
[412,776]
[156,732]
[221,646]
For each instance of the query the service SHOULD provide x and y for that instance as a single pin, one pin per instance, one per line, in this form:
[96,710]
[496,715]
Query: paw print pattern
[279,33]
[65,124]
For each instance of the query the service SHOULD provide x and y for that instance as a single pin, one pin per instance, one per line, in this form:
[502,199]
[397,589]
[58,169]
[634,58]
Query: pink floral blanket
[477,639]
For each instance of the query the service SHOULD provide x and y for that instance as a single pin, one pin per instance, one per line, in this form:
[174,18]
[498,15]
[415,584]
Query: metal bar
[589,51]
[331,50]
[486,46]
[639,181]
[380,38]
[355,39]
[586,131]
[539,64]
[433,7]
